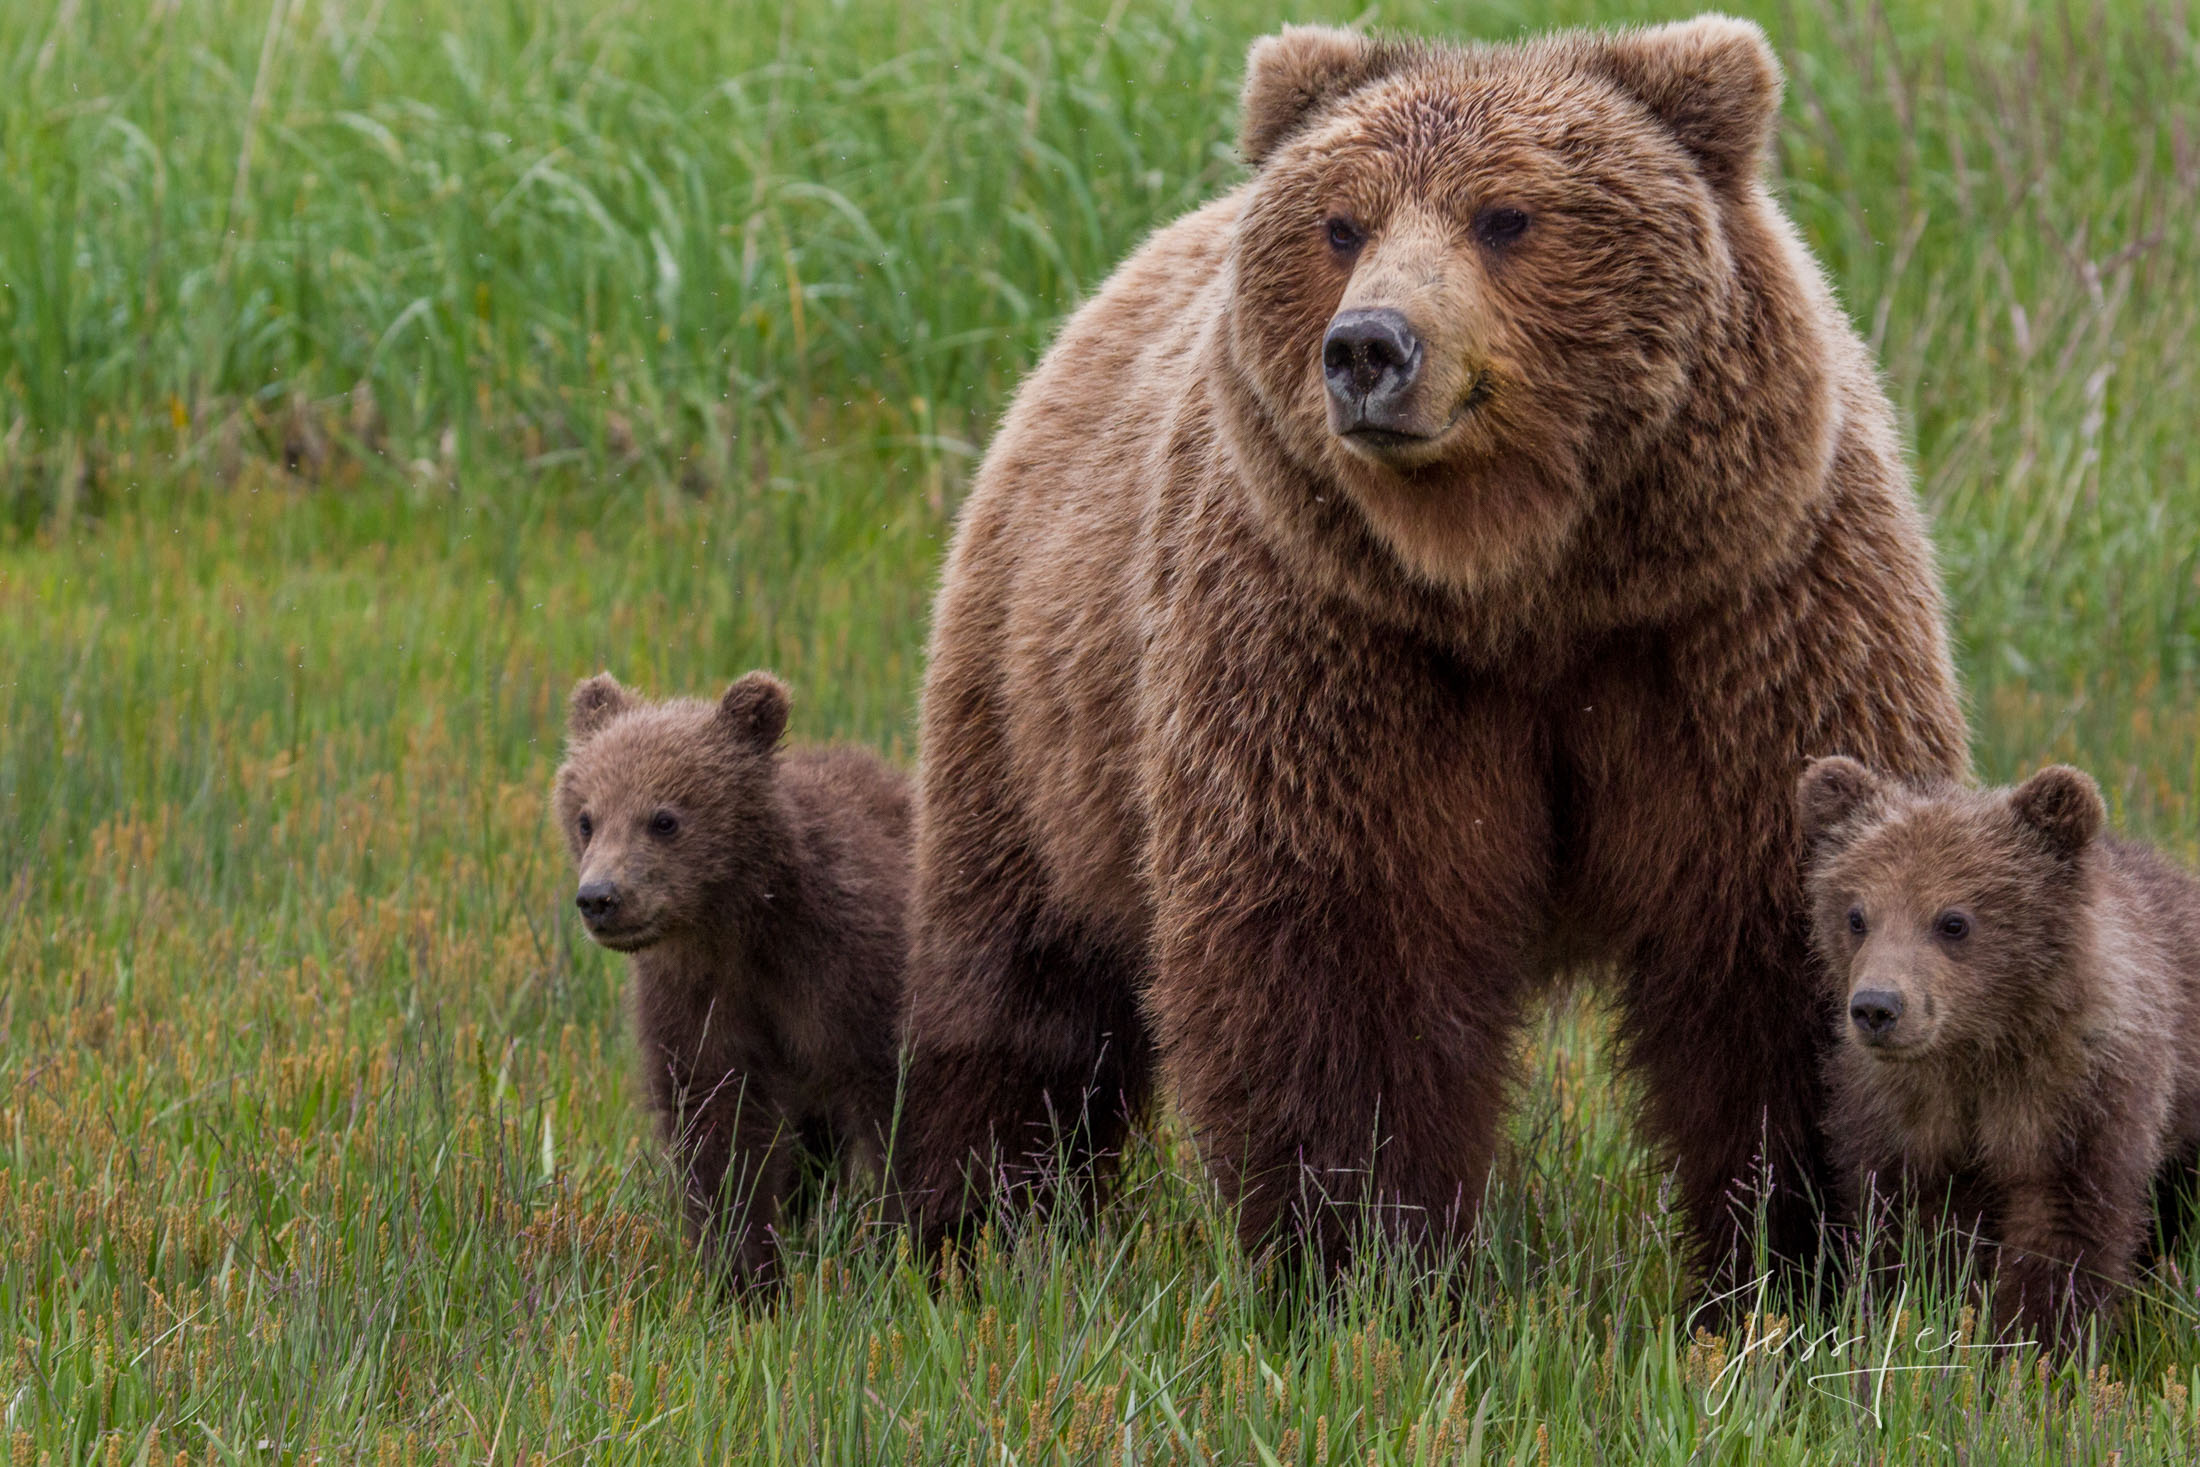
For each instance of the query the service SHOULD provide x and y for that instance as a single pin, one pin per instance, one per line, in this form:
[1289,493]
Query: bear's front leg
[1911,1223]
[1026,1057]
[2069,1234]
[1684,856]
[1879,1199]
[737,1159]
[1344,1068]
[1351,873]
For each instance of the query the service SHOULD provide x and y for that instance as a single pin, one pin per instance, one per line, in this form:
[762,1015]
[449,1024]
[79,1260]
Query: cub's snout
[599,904]
[1876,1013]
[614,917]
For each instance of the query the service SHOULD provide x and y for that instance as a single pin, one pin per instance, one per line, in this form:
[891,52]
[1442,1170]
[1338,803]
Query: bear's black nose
[597,900]
[1370,358]
[1874,1012]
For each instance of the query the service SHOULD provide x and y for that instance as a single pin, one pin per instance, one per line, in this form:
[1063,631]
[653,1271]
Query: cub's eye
[1344,236]
[1856,919]
[664,822]
[1953,926]
[1500,227]
[586,826]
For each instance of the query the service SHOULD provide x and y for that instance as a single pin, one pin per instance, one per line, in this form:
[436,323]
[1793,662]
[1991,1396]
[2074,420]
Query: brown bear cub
[760,897]
[2020,1019]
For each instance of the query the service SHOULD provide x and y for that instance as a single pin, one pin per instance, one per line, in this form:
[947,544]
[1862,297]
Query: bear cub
[2019,1002]
[760,898]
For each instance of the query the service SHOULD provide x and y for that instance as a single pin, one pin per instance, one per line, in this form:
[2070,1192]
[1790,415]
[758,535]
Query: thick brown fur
[2042,1078]
[761,898]
[1289,769]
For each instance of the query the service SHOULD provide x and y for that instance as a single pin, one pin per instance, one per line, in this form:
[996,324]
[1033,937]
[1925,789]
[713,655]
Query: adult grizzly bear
[1419,571]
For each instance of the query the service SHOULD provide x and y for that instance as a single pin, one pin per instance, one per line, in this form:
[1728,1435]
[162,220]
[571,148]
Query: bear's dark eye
[586,826]
[664,822]
[1856,920]
[1953,926]
[1500,227]
[1344,236]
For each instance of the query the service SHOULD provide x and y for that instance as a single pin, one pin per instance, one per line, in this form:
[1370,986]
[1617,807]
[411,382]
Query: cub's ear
[1713,81]
[2063,805]
[1830,791]
[1291,75]
[754,710]
[595,702]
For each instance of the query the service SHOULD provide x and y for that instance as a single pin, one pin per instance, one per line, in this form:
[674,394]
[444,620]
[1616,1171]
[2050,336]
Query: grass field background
[372,369]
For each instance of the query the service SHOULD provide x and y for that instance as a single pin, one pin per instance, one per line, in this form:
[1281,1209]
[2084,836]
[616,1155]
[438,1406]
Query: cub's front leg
[737,1159]
[1904,1198]
[2069,1234]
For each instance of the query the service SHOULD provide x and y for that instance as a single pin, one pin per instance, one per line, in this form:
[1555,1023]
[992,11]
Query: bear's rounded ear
[595,702]
[1713,81]
[2063,805]
[1291,75]
[754,710]
[1831,791]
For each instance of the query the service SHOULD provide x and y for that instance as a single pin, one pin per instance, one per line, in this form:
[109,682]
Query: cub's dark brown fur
[761,899]
[2020,1001]
[1415,574]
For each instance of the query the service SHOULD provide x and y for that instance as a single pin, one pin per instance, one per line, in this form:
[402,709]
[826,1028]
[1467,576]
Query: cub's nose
[1874,1012]
[1370,359]
[597,901]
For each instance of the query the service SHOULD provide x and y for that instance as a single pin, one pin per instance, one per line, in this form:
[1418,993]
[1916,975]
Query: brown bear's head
[1947,917]
[666,806]
[1472,283]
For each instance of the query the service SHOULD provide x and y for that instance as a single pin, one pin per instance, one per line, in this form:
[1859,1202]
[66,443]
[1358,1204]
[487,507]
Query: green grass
[371,369]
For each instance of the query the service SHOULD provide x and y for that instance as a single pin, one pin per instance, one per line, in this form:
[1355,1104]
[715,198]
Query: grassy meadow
[372,369]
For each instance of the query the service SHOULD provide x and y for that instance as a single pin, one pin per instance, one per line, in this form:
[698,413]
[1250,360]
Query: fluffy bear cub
[2019,1041]
[760,899]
